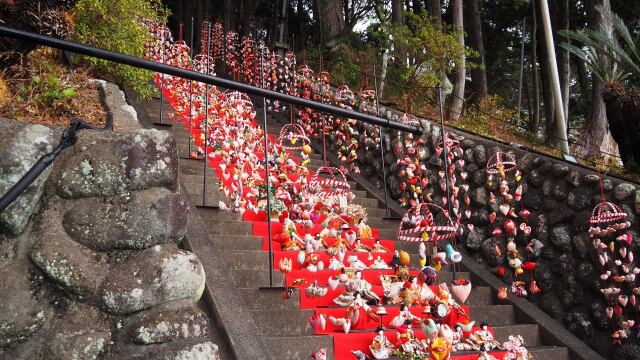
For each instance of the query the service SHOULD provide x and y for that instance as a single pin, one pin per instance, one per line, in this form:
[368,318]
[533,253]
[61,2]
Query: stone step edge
[221,296]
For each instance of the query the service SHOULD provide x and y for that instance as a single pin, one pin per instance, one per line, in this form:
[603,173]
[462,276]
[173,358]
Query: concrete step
[283,322]
[494,315]
[480,296]
[229,227]
[196,188]
[549,352]
[299,347]
[267,299]
[529,332]
[252,279]
[196,170]
[236,242]
[218,215]
[209,200]
[366,202]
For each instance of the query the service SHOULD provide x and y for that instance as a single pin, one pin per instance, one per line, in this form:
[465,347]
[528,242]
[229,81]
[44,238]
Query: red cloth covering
[344,343]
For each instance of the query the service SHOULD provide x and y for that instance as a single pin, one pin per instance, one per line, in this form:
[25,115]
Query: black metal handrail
[196,76]
[68,138]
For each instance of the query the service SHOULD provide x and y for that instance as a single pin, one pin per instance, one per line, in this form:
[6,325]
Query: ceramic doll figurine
[404,316]
[358,246]
[379,248]
[379,264]
[364,231]
[458,344]
[410,292]
[482,340]
[381,347]
[289,238]
[407,341]
[359,312]
[364,287]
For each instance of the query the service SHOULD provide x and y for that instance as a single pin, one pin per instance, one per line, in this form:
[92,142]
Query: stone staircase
[283,325]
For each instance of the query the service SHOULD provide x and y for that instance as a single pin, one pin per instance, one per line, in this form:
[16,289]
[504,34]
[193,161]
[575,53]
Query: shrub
[118,26]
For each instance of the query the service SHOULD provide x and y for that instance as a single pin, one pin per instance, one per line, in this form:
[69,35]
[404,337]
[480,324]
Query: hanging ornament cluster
[304,88]
[217,41]
[413,176]
[250,62]
[508,217]
[232,56]
[347,137]
[204,37]
[611,239]
[370,134]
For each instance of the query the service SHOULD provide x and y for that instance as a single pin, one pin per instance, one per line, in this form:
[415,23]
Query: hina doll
[359,312]
[364,231]
[289,237]
[364,287]
[407,341]
[358,246]
[379,264]
[378,248]
[403,316]
[333,243]
[335,264]
[410,293]
[381,347]
[483,340]
[458,344]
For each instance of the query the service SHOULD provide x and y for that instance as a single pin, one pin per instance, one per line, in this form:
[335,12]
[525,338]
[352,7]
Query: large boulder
[171,321]
[151,277]
[115,165]
[21,147]
[83,334]
[20,313]
[141,220]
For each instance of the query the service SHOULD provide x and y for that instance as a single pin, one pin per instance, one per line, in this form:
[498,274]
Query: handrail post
[191,91]
[206,124]
[445,157]
[384,167]
[266,167]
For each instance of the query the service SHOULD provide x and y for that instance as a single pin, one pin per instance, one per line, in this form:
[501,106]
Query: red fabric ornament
[529,265]
[501,271]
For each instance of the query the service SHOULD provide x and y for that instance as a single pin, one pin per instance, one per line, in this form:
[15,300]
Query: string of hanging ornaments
[611,239]
[250,61]
[509,217]
[232,55]
[217,40]
[346,136]
[328,183]
[204,37]
[304,88]
[413,176]
[370,134]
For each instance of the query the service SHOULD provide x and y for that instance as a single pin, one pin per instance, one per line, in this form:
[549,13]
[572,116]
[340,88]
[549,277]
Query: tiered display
[353,279]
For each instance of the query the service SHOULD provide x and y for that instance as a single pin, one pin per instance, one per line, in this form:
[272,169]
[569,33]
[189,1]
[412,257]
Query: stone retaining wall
[88,254]
[560,197]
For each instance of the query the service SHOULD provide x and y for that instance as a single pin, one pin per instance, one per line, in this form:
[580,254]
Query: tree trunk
[333,12]
[397,17]
[564,65]
[534,122]
[301,20]
[434,8]
[583,79]
[458,90]
[545,76]
[383,74]
[479,88]
[597,136]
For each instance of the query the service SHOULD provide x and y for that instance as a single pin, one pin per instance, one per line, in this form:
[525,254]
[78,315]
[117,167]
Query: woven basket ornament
[292,137]
[329,181]
[434,232]
[501,160]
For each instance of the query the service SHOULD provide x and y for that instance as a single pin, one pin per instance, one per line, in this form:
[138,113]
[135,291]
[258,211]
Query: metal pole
[266,166]
[324,136]
[206,124]
[200,77]
[384,167]
[191,89]
[445,157]
[524,32]
[161,78]
[561,128]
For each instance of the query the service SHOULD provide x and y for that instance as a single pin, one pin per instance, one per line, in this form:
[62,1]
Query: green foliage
[433,51]
[489,114]
[624,56]
[118,26]
[51,92]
